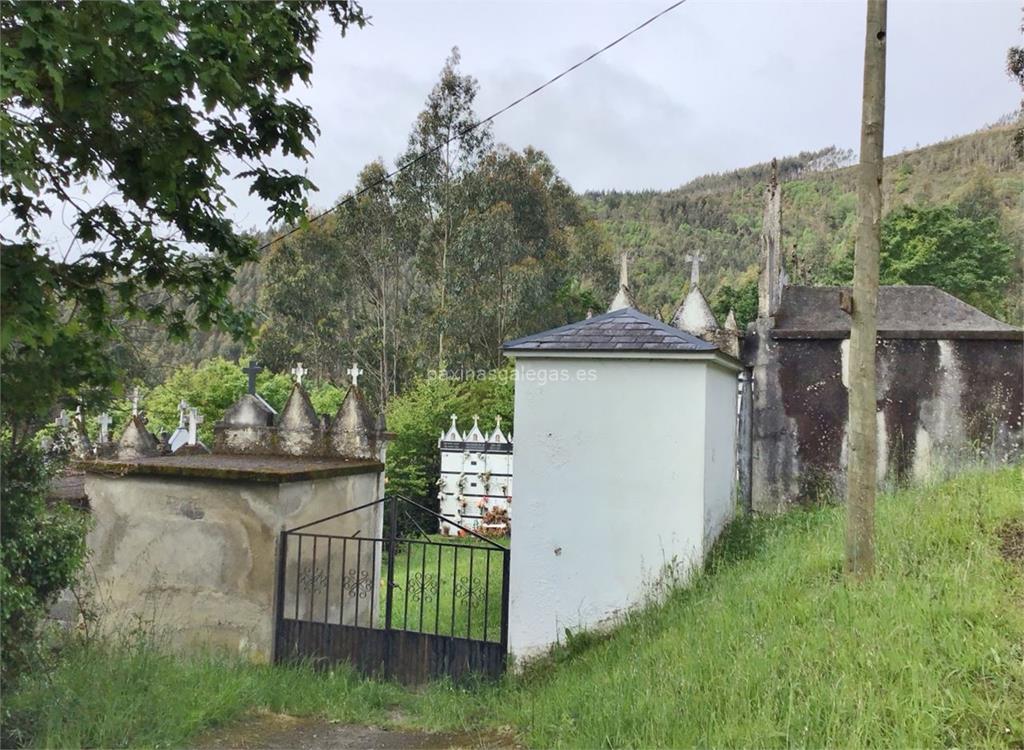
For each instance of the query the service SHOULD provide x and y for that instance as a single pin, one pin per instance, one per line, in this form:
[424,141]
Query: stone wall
[941,403]
[195,555]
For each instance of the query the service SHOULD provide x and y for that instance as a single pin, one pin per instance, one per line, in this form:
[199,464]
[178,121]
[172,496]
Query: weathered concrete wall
[941,403]
[196,556]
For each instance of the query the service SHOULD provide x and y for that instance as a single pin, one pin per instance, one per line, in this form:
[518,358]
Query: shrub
[42,547]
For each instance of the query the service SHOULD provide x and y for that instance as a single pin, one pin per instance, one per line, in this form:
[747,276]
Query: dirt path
[281,731]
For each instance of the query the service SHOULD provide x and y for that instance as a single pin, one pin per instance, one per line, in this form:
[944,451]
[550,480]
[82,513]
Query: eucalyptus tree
[445,145]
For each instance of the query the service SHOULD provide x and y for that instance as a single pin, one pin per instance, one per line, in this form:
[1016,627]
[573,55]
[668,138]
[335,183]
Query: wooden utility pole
[862,472]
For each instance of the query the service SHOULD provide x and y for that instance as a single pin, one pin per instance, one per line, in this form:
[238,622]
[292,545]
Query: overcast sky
[712,86]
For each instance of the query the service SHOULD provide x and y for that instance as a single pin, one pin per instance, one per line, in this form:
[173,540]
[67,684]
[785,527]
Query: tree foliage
[741,300]
[126,120]
[1015,69]
[965,256]
[957,249]
[472,245]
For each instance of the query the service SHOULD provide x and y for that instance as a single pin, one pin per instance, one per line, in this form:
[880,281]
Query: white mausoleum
[476,478]
[625,431]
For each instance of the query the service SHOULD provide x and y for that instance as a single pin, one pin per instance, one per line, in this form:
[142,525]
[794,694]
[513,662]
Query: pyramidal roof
[695,315]
[625,330]
[298,413]
[497,436]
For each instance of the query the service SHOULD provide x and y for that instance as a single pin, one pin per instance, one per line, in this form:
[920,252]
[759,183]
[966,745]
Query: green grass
[772,646]
[450,590]
[133,693]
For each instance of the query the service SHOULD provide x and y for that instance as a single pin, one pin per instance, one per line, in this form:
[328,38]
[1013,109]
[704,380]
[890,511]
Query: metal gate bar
[402,646]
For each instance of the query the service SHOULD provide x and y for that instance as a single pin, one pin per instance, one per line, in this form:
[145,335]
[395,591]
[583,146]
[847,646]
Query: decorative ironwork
[425,585]
[358,585]
[465,588]
[312,579]
[442,608]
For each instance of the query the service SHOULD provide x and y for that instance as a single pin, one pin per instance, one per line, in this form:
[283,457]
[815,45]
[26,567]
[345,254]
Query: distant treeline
[485,243]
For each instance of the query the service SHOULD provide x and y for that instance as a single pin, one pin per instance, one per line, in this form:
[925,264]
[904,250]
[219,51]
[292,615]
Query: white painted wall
[719,452]
[610,484]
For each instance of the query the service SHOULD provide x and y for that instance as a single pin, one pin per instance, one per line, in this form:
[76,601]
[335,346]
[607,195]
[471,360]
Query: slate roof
[903,312]
[625,330]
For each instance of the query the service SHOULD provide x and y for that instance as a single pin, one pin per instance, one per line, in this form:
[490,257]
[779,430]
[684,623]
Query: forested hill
[720,215]
[975,176]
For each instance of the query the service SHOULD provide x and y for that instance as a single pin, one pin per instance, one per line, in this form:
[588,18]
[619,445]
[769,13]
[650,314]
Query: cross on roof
[695,259]
[354,372]
[252,371]
[194,420]
[105,421]
[135,401]
[298,371]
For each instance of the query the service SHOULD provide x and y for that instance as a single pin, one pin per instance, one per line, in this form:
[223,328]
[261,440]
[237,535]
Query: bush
[42,548]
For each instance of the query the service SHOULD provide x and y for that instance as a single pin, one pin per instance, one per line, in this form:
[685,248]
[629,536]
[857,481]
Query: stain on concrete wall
[941,403]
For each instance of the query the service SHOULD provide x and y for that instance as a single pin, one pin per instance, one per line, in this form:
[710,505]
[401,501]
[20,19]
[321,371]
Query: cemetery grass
[449,590]
[771,645]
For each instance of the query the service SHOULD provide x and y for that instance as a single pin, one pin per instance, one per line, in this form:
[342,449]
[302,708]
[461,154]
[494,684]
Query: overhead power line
[470,128]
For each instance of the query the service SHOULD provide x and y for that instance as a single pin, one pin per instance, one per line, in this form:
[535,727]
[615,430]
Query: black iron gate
[407,607]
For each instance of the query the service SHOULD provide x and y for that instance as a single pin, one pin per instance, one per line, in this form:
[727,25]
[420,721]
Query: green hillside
[720,215]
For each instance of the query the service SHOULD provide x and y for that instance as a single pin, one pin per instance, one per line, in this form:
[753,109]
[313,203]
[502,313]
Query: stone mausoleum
[188,541]
[950,384]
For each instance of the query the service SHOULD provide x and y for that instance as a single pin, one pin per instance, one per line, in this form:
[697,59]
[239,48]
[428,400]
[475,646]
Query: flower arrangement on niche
[496,522]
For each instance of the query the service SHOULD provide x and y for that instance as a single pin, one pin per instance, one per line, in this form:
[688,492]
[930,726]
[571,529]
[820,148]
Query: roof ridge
[591,334]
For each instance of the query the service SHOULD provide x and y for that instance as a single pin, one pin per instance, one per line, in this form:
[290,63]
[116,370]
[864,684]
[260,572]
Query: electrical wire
[470,128]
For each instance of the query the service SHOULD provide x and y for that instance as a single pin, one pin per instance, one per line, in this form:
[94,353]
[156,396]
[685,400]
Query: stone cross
[62,420]
[105,421]
[252,371]
[354,372]
[298,371]
[194,420]
[695,259]
[182,411]
[135,401]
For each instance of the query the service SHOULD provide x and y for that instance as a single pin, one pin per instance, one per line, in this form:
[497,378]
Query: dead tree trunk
[862,472]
